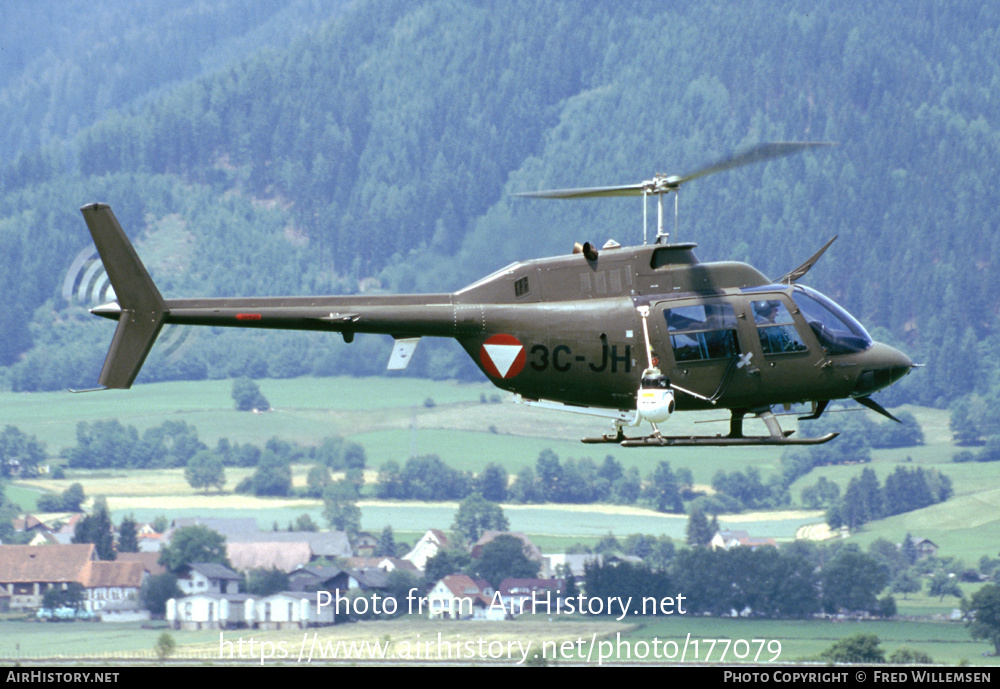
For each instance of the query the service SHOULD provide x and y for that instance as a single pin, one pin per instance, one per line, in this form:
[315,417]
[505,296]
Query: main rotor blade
[662,184]
[586,192]
[754,154]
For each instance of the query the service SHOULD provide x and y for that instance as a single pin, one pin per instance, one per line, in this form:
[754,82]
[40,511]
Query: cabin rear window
[702,332]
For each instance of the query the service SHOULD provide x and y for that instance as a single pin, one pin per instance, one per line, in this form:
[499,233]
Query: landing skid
[775,436]
[707,440]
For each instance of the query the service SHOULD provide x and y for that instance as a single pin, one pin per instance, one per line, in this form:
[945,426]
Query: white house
[210,611]
[287,610]
[427,547]
[284,610]
[458,596]
[208,577]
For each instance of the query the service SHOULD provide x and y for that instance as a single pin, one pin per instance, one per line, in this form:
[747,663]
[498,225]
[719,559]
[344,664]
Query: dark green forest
[302,146]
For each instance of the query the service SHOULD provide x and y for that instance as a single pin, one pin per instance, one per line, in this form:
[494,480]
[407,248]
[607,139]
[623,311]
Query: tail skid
[140,310]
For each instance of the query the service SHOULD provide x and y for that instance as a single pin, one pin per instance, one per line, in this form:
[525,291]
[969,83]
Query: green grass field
[590,640]
[393,417]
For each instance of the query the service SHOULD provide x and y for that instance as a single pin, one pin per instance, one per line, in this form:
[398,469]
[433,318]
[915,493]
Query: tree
[823,494]
[906,582]
[248,396]
[492,482]
[317,480]
[909,549]
[944,584]
[862,501]
[165,646]
[70,597]
[398,585]
[526,488]
[964,427]
[273,476]
[157,590]
[264,582]
[106,444]
[443,563]
[504,557]
[664,491]
[171,444]
[305,523]
[8,512]
[859,648]
[128,535]
[340,507]
[353,456]
[73,497]
[699,530]
[852,581]
[386,543]
[476,515]
[428,478]
[70,500]
[194,544]
[96,528]
[19,453]
[205,470]
[982,614]
[909,656]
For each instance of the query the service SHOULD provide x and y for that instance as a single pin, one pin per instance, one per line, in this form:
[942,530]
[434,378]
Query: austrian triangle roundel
[502,356]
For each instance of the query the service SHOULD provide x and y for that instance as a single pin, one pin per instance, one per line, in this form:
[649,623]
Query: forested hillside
[306,147]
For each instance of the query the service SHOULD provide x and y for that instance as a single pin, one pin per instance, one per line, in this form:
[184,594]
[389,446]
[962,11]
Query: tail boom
[142,312]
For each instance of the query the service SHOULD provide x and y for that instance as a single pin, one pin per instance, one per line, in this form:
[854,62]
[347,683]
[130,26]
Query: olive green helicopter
[628,334]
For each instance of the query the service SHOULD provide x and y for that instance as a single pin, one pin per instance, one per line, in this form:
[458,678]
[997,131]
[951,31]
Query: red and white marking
[502,356]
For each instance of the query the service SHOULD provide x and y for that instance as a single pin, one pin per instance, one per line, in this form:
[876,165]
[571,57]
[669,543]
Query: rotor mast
[660,186]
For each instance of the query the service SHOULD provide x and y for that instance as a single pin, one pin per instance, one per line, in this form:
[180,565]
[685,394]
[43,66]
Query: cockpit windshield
[837,331]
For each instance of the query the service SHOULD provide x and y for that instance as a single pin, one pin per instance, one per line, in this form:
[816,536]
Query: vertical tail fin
[141,309]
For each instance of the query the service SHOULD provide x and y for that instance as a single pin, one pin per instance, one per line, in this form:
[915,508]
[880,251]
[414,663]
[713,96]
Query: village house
[112,585]
[385,563]
[288,610]
[433,541]
[458,596]
[210,611]
[208,577]
[318,579]
[737,538]
[570,564]
[365,544]
[283,557]
[925,548]
[27,571]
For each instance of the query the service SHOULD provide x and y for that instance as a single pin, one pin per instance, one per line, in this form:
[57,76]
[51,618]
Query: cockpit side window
[703,331]
[837,331]
[776,328]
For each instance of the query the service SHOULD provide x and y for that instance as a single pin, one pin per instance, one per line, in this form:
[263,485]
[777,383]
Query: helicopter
[628,334]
